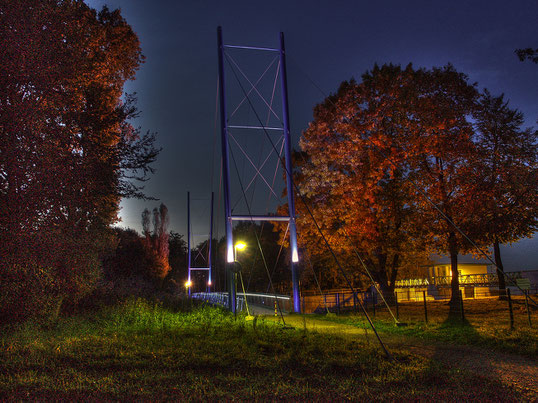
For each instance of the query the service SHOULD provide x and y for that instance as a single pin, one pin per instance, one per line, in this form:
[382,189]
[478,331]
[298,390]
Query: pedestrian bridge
[254,303]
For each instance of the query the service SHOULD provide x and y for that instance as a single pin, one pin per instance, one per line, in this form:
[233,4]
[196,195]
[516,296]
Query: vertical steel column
[226,175]
[289,179]
[189,242]
[209,281]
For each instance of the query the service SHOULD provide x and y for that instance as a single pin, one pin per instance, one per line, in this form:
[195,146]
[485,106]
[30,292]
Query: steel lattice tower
[190,236]
[284,129]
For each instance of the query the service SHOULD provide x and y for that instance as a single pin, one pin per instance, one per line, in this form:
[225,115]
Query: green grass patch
[522,340]
[143,351]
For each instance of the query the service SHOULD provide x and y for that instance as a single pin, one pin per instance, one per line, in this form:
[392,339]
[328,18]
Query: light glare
[240,245]
[230,255]
[294,256]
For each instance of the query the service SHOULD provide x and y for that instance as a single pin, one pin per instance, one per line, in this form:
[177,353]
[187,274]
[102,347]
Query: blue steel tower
[284,129]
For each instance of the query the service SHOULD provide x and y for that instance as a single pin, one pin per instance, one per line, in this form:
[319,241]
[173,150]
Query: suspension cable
[244,293]
[279,252]
[255,233]
[312,216]
[317,282]
[361,260]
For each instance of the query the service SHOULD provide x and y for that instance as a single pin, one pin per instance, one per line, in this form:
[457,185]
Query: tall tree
[507,176]
[67,152]
[440,149]
[177,258]
[375,150]
[157,241]
[354,174]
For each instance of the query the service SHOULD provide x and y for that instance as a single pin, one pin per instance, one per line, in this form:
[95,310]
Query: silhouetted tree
[527,54]
[128,258]
[177,258]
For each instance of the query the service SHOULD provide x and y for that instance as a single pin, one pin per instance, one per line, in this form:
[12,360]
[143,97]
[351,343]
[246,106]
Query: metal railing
[285,302]
[484,279]
[413,282]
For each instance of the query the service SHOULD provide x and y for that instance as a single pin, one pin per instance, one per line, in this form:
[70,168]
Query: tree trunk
[455,282]
[500,269]
[389,295]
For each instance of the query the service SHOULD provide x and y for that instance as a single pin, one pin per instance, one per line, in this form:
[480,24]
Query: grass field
[486,324]
[142,351]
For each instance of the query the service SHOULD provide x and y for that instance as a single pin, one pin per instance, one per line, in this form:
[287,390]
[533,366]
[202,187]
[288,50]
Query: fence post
[337,298]
[461,307]
[527,306]
[425,307]
[355,301]
[304,305]
[510,309]
[397,309]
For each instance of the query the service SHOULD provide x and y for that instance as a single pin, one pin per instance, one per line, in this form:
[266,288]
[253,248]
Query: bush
[43,273]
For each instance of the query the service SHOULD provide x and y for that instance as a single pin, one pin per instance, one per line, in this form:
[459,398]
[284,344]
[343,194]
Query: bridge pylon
[234,125]
[207,258]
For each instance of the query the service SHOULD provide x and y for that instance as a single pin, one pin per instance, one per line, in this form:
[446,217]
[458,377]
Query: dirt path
[513,370]
[510,369]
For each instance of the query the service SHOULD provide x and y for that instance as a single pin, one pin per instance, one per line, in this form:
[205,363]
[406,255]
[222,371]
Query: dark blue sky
[331,41]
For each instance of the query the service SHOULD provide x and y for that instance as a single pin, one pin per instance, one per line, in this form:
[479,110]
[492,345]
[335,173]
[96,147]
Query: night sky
[328,41]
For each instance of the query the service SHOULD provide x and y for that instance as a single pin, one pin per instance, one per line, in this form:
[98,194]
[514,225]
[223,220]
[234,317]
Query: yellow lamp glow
[240,245]
[188,284]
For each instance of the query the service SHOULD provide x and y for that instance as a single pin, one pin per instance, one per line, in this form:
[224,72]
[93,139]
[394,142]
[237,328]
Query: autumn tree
[156,241]
[387,168]
[68,153]
[439,149]
[506,176]
[354,174]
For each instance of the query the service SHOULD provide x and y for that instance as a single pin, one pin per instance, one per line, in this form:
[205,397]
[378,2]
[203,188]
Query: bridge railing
[268,301]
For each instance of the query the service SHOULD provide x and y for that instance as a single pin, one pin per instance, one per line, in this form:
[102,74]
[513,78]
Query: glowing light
[188,284]
[209,282]
[230,256]
[294,256]
[240,245]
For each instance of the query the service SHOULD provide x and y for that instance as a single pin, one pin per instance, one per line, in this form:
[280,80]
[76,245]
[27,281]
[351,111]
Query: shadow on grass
[466,355]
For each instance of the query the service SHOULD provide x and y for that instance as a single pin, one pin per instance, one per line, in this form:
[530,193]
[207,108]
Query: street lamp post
[233,284]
